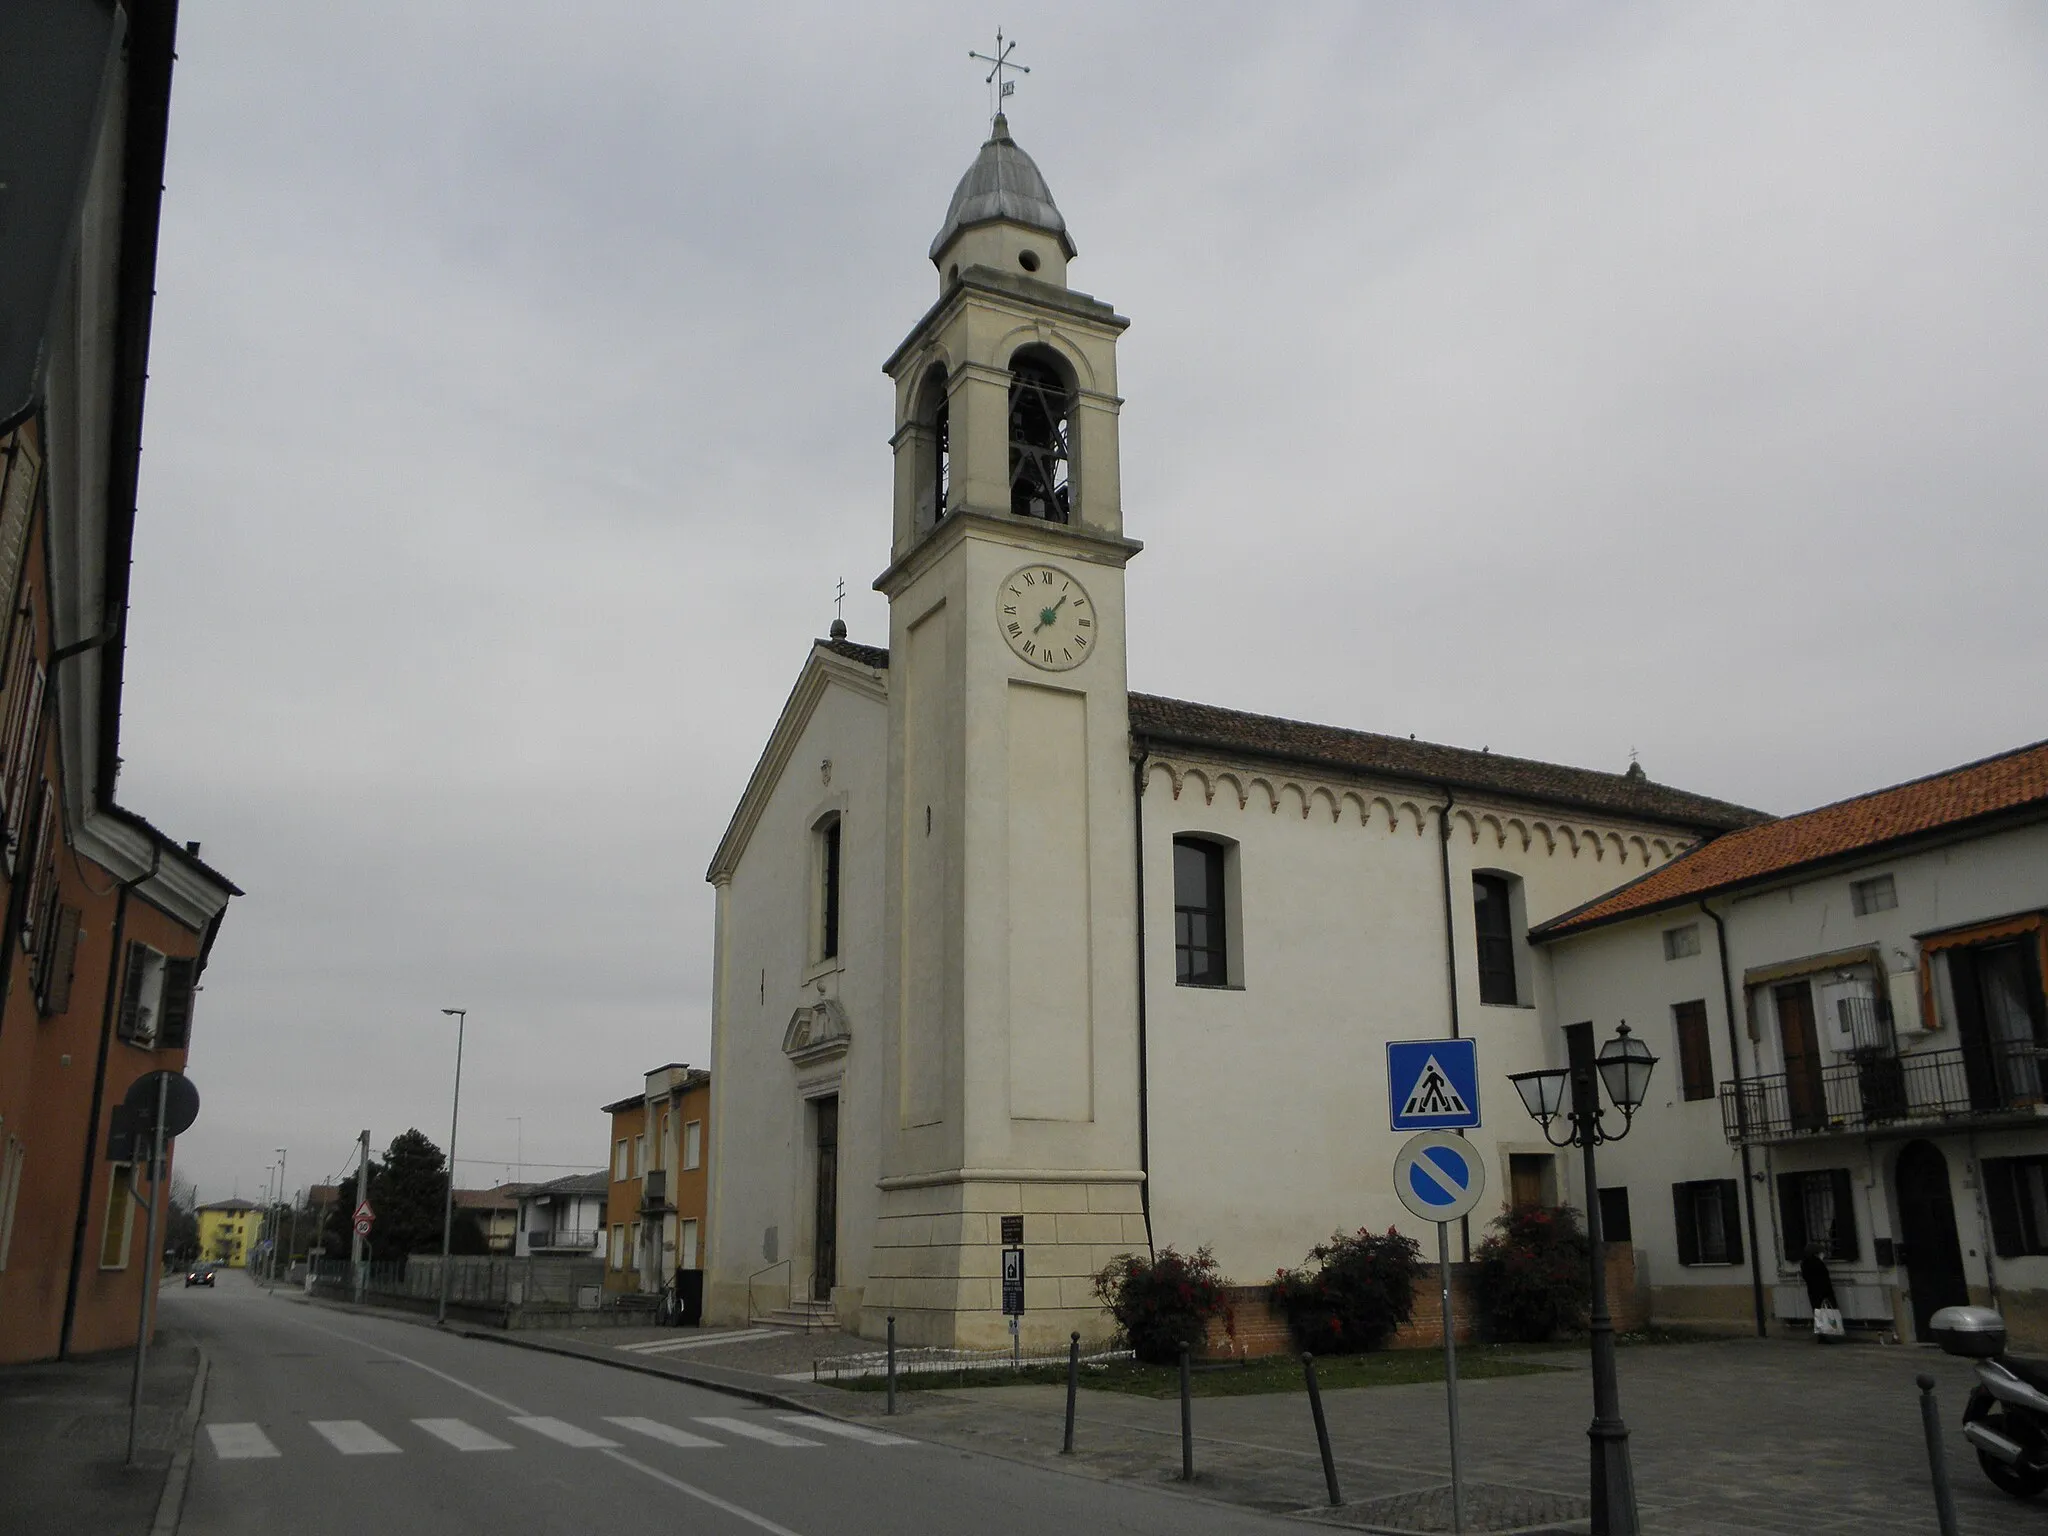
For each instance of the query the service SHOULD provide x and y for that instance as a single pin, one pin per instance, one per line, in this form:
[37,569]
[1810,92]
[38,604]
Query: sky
[1564,379]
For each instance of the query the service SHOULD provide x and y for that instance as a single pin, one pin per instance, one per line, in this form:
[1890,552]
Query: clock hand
[1048,615]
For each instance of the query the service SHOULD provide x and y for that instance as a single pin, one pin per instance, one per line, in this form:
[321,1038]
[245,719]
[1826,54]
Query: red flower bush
[1361,1288]
[1163,1303]
[1532,1281]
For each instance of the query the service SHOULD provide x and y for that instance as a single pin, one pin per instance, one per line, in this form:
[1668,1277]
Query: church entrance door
[825,1267]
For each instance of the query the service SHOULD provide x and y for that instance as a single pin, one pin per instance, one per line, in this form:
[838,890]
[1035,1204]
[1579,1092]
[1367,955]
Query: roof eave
[1564,926]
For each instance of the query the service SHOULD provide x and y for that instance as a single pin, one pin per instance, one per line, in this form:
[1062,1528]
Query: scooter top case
[1977,1333]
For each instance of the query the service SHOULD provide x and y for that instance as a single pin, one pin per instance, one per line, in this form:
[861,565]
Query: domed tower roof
[1003,185]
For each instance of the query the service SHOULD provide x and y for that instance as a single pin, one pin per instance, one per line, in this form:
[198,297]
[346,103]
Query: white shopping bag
[1827,1323]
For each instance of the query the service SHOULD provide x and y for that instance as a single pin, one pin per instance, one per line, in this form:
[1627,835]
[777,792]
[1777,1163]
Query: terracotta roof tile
[1328,746]
[1267,736]
[1996,785]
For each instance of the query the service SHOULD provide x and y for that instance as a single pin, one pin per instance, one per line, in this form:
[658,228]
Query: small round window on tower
[1028,260]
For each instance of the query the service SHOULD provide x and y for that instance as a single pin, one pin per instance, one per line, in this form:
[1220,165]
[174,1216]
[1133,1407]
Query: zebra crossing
[352,1437]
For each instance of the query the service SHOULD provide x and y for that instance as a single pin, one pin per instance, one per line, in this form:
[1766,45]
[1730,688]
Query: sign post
[1439,1178]
[159,1105]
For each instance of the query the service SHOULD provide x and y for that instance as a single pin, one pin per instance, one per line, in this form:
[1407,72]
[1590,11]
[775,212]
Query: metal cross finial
[839,600]
[998,63]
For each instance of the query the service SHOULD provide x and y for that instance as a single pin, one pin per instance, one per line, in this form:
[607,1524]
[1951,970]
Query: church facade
[1004,945]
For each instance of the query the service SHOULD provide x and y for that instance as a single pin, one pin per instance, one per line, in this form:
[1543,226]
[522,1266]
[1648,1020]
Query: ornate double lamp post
[1573,1095]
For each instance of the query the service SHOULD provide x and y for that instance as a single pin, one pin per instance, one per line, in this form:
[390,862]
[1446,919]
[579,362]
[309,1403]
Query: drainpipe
[1443,848]
[1138,770]
[109,1010]
[1756,1259]
[1443,851]
[1983,1219]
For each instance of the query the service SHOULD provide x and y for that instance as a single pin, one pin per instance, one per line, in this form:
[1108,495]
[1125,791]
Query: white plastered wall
[1268,1099]
[762,1157]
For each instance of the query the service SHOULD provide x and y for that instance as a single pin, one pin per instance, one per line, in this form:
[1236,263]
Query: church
[1004,948]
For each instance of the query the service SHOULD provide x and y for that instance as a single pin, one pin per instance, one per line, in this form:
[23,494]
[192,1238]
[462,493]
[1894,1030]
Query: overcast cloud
[1563,379]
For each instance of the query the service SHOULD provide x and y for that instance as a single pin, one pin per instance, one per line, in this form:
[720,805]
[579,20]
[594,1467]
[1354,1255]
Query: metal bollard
[1937,1460]
[1073,1386]
[1187,1421]
[1315,1406]
[892,1362]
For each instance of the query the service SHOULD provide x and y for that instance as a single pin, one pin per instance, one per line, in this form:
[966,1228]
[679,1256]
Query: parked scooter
[2006,1418]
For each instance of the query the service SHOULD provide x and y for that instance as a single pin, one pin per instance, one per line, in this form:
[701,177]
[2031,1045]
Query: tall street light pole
[275,1222]
[461,1017]
[1623,1065]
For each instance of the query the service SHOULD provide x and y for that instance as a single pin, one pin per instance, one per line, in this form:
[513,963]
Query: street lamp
[1623,1065]
[461,1016]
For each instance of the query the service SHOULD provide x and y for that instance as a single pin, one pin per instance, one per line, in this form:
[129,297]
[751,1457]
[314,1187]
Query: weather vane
[998,63]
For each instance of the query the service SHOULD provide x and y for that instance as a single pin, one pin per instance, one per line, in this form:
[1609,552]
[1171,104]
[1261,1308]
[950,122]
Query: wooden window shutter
[58,961]
[2007,1238]
[1842,1242]
[1792,1214]
[1695,1049]
[180,977]
[131,990]
[1731,1218]
[1688,1229]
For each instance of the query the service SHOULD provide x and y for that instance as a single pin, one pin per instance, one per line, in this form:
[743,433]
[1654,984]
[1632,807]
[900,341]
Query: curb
[768,1397]
[170,1508]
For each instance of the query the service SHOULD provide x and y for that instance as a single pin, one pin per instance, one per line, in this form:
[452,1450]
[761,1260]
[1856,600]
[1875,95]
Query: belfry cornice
[1029,534]
[1020,296]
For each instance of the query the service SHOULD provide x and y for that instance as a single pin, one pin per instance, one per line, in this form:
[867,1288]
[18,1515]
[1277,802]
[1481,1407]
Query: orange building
[659,1190]
[107,921]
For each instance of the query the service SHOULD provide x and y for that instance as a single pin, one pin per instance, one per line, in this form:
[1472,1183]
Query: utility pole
[274,1223]
[355,1242]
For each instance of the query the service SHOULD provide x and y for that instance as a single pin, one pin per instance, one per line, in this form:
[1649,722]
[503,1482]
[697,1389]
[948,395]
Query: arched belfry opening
[934,448]
[1041,409]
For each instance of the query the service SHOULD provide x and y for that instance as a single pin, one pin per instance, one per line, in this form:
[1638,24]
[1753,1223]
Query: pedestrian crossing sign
[1433,1085]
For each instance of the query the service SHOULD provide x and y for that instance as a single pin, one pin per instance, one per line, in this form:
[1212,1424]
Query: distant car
[203,1275]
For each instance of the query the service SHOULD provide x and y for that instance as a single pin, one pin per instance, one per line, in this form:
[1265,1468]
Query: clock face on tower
[1046,616]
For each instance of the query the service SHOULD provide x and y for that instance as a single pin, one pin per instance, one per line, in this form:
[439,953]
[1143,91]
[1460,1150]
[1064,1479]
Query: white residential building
[1849,1007]
[563,1217]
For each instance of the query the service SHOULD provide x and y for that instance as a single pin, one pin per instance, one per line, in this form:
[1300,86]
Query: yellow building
[227,1231]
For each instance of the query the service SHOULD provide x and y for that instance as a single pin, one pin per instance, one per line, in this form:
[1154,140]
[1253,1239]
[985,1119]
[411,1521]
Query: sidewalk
[1745,1436]
[64,1442]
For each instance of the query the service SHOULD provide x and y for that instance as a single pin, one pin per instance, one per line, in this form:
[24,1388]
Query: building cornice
[1030,535]
[1487,818]
[1021,296]
[822,669]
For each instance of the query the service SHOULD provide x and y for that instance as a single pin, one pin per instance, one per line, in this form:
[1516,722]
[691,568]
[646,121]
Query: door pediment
[817,1033]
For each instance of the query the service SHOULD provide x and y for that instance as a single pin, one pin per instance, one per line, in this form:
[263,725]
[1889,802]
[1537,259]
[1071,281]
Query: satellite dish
[181,1102]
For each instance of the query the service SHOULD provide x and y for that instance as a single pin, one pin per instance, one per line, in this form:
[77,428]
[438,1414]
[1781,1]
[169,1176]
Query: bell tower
[1010,983]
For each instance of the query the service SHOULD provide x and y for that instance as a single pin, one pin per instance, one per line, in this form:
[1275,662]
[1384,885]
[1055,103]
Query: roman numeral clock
[1046,617]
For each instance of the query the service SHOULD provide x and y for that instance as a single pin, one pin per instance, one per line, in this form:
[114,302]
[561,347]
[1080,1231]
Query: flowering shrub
[1165,1302]
[1354,1290]
[1531,1281]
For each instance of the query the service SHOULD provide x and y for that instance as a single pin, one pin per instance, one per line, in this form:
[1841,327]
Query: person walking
[1820,1291]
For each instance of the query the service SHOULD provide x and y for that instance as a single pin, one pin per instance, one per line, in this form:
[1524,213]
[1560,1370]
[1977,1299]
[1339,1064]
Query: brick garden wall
[1257,1330]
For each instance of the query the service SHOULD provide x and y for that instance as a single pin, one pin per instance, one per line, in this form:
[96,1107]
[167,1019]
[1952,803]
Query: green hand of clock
[1049,615]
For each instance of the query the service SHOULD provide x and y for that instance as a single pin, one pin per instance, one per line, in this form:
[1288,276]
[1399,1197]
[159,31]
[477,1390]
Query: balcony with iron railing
[561,1242]
[1878,1090]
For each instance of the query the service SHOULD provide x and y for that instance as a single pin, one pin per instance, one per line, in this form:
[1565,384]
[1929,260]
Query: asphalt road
[318,1421]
